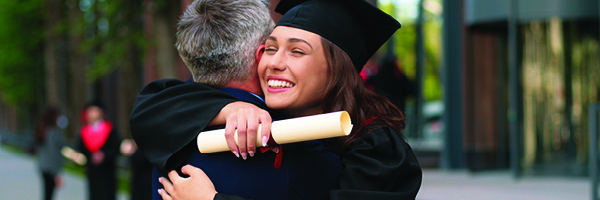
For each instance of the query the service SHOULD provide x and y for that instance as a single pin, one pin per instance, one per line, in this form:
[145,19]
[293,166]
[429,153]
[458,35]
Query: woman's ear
[259,53]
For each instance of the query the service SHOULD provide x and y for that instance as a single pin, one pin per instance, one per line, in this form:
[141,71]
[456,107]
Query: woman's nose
[277,62]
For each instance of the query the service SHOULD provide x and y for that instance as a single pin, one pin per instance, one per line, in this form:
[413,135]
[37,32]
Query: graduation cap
[356,26]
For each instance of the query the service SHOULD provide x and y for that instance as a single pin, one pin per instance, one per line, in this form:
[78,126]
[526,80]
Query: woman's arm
[167,116]
[379,166]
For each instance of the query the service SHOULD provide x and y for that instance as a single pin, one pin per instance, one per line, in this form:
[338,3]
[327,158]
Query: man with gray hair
[218,41]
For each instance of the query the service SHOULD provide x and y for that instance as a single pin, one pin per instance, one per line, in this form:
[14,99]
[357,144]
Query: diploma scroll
[73,155]
[300,129]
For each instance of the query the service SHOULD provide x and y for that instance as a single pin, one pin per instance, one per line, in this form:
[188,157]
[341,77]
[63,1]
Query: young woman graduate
[311,65]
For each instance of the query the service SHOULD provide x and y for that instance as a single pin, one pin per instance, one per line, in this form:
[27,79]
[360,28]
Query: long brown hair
[346,91]
[46,119]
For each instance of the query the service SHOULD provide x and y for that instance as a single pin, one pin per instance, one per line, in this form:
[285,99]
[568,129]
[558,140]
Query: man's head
[94,114]
[217,39]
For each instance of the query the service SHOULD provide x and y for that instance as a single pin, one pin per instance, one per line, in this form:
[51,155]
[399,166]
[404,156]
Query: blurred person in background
[49,140]
[141,171]
[100,143]
[391,82]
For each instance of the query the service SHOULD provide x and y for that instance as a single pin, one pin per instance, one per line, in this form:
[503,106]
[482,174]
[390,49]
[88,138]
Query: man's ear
[259,53]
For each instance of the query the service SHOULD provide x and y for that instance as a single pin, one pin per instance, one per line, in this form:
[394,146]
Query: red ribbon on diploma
[271,144]
[278,157]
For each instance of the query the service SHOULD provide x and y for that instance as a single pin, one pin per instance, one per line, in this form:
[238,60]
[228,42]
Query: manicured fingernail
[236,154]
[159,191]
[265,139]
[276,150]
[159,179]
[244,156]
[251,153]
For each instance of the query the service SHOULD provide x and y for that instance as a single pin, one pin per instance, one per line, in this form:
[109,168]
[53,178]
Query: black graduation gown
[102,178]
[380,165]
[308,170]
[180,109]
[141,179]
[394,174]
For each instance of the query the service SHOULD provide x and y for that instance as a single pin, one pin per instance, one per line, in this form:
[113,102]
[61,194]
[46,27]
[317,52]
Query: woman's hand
[245,118]
[197,187]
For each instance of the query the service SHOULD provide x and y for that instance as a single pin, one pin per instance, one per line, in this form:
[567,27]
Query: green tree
[21,51]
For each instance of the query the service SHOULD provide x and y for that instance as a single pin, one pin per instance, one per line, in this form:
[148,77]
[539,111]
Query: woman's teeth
[279,84]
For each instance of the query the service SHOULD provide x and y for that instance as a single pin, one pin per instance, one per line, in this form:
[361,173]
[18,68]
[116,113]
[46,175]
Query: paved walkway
[20,180]
[443,185]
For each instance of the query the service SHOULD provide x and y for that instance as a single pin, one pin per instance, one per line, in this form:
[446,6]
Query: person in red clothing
[99,142]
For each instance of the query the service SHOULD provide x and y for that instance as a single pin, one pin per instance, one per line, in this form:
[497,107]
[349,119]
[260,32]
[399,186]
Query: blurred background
[487,86]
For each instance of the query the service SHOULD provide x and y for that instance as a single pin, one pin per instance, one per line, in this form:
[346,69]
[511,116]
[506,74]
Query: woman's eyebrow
[293,40]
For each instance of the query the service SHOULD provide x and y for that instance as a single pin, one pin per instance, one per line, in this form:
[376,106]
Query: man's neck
[247,86]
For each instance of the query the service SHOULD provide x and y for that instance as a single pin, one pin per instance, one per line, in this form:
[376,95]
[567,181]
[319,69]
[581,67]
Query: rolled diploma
[299,129]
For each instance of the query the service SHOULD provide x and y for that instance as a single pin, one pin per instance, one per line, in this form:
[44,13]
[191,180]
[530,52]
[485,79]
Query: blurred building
[518,79]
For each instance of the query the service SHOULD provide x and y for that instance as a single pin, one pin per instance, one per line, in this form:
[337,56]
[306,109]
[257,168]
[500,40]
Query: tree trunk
[129,87]
[130,78]
[52,15]
[165,27]
[78,86]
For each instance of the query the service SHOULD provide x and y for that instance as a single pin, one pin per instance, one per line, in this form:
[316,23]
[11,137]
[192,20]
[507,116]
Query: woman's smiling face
[293,71]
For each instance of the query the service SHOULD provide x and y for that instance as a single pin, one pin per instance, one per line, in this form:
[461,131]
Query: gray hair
[217,39]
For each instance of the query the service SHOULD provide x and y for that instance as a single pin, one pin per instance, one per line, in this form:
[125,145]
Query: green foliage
[161,4]
[432,29]
[21,52]
[117,27]
[405,46]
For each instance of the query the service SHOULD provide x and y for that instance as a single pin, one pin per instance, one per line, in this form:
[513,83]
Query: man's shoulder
[164,85]
[168,82]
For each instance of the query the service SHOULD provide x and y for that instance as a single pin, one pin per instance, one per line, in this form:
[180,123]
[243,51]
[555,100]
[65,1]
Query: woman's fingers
[168,187]
[251,132]
[265,132]
[241,136]
[242,129]
[192,171]
[164,194]
[230,127]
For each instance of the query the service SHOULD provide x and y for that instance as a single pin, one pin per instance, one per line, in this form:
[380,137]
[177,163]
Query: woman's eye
[298,52]
[270,50]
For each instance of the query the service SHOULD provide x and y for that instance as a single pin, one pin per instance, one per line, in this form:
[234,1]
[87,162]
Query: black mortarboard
[356,26]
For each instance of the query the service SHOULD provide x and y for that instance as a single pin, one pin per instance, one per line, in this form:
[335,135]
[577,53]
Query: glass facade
[561,78]
[530,112]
